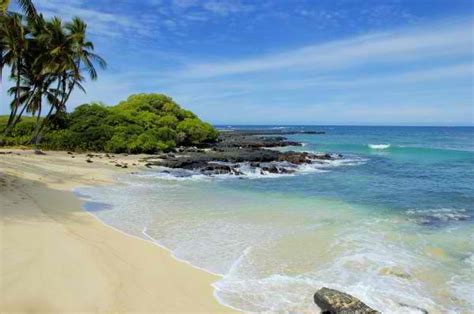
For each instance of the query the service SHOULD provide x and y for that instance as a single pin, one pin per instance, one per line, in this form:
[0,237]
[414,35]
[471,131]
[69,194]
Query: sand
[55,257]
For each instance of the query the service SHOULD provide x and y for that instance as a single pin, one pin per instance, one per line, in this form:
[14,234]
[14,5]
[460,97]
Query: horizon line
[369,125]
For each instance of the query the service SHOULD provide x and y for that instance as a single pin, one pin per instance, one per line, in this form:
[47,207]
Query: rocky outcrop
[331,301]
[227,161]
[236,148]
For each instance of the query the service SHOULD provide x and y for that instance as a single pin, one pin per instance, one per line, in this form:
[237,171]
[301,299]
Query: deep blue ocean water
[392,222]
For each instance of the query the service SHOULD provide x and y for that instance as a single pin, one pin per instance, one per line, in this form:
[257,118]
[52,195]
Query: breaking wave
[247,171]
[379,146]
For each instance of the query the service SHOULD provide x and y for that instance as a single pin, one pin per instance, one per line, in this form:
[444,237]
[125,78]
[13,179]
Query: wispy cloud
[404,45]
[221,58]
[100,22]
[220,7]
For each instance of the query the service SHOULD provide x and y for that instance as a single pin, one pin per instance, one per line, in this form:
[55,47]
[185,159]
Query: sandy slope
[57,258]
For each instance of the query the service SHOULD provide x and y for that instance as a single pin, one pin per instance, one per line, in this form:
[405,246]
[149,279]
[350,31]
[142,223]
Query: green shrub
[195,131]
[144,123]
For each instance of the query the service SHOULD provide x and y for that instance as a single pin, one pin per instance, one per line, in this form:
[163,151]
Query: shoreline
[129,271]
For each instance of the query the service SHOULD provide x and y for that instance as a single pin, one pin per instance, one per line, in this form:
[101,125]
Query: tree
[66,54]
[14,45]
[47,60]
[30,11]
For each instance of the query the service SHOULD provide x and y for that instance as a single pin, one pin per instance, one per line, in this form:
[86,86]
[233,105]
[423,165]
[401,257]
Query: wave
[379,146]
[368,262]
[386,282]
[285,169]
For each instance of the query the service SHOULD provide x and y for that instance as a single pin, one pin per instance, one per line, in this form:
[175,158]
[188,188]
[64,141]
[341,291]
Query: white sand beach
[55,257]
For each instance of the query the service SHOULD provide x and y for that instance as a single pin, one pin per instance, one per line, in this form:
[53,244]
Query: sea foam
[379,146]
[250,172]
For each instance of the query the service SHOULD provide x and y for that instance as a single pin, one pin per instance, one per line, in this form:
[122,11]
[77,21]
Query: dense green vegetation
[144,123]
[47,59]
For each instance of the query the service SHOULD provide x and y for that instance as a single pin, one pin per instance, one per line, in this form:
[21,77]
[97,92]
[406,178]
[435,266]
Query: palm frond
[28,7]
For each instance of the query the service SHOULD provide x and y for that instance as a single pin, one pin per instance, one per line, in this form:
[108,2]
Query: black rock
[271,169]
[331,301]
[212,169]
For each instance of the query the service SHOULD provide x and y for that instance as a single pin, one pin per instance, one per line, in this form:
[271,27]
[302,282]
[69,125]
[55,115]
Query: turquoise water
[391,223]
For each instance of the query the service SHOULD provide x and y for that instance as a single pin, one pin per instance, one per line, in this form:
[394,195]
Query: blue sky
[390,62]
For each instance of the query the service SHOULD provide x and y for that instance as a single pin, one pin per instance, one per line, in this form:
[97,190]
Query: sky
[384,62]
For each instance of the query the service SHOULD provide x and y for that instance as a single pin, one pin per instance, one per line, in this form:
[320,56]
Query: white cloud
[405,45]
[99,22]
[219,7]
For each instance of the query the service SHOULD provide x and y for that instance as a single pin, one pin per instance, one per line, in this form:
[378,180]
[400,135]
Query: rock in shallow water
[331,301]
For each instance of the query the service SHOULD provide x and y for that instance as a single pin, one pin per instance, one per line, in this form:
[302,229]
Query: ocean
[391,223]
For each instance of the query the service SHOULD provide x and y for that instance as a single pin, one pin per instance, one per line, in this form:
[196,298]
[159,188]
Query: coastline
[57,257]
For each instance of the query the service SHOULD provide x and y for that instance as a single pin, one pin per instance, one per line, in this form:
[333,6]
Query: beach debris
[89,161]
[332,301]
[70,153]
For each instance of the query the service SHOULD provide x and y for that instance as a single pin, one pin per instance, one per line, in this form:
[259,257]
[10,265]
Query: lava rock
[212,169]
[271,169]
[331,301]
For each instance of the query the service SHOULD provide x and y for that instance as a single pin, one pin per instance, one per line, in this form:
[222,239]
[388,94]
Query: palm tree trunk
[27,104]
[43,123]
[33,139]
[17,96]
[65,99]
[40,125]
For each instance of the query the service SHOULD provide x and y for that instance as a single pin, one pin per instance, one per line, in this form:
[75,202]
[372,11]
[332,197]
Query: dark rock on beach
[331,301]
[235,148]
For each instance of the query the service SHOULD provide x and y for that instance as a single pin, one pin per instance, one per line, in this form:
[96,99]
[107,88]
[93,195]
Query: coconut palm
[67,53]
[14,43]
[83,55]
[47,60]
[30,11]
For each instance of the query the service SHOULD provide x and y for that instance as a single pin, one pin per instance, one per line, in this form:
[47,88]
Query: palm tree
[13,40]
[30,11]
[83,55]
[67,54]
[47,59]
